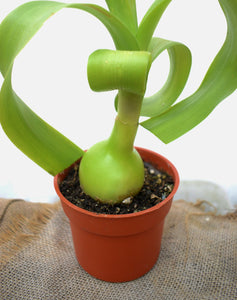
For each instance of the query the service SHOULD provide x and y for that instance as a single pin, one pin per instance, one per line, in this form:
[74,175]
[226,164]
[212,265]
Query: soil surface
[157,186]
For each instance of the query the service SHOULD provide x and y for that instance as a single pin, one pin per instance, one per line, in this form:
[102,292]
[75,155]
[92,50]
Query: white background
[50,76]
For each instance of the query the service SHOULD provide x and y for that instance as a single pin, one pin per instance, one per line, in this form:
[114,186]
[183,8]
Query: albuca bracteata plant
[112,170]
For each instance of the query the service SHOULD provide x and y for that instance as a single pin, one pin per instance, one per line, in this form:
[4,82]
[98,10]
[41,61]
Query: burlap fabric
[198,259]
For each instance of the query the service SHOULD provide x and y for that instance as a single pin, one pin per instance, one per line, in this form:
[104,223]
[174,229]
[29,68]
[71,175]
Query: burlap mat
[198,259]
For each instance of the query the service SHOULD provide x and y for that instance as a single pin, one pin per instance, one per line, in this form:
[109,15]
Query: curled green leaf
[120,33]
[34,137]
[219,82]
[122,70]
[180,64]
[19,27]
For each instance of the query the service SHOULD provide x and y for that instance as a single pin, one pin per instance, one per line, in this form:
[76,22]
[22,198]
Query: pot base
[118,259]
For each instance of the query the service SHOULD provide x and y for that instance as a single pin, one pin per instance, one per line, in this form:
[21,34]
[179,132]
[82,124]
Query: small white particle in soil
[127,200]
[154,196]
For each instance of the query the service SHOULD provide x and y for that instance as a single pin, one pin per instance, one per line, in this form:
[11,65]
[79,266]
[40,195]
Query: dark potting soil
[157,186]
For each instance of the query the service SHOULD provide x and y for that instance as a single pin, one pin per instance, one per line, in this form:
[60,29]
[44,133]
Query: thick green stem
[126,123]
[112,170]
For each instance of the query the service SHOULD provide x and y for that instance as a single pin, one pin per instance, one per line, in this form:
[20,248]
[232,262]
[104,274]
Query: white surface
[51,72]
[214,197]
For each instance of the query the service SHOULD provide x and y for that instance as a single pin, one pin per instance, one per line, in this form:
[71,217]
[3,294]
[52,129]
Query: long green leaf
[121,35]
[34,137]
[125,11]
[43,144]
[180,63]
[19,27]
[150,21]
[219,82]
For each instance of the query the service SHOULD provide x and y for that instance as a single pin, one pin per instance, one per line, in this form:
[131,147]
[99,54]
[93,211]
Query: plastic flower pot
[119,248]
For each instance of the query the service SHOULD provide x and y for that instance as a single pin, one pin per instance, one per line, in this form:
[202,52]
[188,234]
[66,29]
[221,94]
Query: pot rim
[175,176]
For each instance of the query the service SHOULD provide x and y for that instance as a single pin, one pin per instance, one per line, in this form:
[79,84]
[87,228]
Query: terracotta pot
[119,248]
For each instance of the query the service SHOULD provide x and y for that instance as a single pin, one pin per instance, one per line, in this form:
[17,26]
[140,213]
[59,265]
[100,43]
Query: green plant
[125,69]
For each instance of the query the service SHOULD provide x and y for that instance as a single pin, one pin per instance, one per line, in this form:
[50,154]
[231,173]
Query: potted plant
[116,247]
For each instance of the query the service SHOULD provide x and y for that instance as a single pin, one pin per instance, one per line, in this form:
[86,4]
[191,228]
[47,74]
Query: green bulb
[109,175]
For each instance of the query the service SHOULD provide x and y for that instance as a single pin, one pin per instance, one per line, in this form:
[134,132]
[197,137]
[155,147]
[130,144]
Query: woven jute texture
[198,258]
